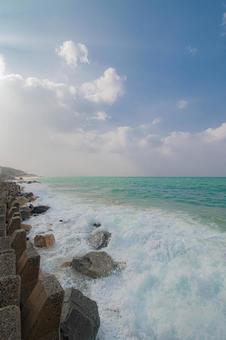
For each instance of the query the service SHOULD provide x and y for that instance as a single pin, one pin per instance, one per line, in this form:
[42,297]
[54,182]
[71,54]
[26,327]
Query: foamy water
[173,285]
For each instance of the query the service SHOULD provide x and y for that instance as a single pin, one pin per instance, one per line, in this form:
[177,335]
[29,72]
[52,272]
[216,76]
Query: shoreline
[28,314]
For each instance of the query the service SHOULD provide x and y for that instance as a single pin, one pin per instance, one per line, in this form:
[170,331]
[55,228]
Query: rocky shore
[33,305]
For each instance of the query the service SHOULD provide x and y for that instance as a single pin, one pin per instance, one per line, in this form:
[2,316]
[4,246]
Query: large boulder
[95,264]
[99,239]
[40,209]
[44,241]
[80,318]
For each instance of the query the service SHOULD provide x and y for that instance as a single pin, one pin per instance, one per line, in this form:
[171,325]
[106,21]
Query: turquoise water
[168,233]
[203,197]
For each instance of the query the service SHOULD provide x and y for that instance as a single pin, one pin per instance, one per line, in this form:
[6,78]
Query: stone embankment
[34,306]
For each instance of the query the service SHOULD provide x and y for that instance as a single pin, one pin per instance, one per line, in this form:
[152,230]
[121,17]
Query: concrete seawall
[31,303]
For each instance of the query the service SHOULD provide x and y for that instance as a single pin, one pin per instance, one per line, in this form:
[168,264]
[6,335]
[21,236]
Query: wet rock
[44,241]
[95,264]
[80,318]
[99,239]
[96,224]
[66,264]
[40,209]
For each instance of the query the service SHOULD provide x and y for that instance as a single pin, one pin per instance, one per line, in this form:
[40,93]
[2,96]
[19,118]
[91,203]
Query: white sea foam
[174,282]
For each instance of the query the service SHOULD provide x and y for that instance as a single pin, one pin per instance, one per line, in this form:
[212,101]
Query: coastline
[169,255]
[163,251]
[28,296]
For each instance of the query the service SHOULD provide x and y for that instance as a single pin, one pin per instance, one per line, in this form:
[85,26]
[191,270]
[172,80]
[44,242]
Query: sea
[170,235]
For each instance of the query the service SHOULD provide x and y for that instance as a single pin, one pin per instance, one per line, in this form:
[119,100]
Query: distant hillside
[8,173]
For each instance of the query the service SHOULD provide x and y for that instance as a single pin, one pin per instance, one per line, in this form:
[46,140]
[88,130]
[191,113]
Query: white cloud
[157,121]
[106,89]
[101,115]
[2,65]
[216,134]
[34,123]
[73,53]
[224,19]
[182,104]
[192,50]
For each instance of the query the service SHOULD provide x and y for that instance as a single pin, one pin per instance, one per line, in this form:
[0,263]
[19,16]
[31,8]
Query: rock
[61,221]
[96,225]
[42,311]
[26,227]
[95,264]
[44,241]
[29,196]
[25,213]
[66,264]
[99,239]
[40,209]
[80,318]
[10,323]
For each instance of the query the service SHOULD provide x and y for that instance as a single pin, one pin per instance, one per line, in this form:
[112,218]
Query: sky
[114,88]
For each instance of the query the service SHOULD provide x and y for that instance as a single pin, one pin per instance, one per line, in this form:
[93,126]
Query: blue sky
[167,87]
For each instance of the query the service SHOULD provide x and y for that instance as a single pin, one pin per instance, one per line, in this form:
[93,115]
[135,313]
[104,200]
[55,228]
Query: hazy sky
[116,87]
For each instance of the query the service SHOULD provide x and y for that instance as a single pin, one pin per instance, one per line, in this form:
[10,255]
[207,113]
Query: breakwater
[33,305]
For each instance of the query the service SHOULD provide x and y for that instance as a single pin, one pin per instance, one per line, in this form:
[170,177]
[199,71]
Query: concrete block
[7,263]
[28,268]
[2,231]
[10,324]
[14,224]
[10,291]
[11,212]
[41,314]
[4,243]
[19,242]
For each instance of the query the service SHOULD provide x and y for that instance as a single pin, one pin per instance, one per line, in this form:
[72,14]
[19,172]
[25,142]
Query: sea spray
[173,285]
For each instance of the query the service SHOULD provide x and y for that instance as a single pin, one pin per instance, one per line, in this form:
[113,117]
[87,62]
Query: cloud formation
[182,104]
[43,131]
[192,50]
[2,65]
[108,88]
[224,19]
[73,53]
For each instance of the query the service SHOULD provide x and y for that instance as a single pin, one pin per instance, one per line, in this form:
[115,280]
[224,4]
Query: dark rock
[80,318]
[99,239]
[40,209]
[96,225]
[61,221]
[94,264]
